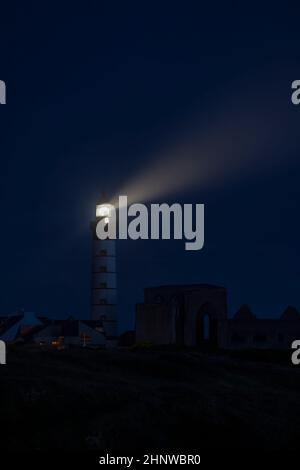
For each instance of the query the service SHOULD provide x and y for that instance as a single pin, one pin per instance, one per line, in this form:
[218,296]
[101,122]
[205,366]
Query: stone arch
[207,326]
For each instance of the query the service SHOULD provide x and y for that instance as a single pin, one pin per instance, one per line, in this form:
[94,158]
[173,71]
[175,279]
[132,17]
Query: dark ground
[151,400]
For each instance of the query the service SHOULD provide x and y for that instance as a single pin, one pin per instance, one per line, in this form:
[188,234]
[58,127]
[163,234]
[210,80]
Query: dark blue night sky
[94,91]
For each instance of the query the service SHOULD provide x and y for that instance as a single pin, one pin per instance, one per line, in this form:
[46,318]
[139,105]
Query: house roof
[8,322]
[290,314]
[70,326]
[11,327]
[14,327]
[244,313]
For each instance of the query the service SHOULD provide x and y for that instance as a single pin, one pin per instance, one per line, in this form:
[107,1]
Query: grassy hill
[150,400]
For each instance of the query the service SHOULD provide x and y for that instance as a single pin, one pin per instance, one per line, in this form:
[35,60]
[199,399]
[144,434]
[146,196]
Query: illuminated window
[58,342]
[85,338]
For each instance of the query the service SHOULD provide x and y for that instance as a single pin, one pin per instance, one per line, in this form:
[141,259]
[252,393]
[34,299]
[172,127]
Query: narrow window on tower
[103,285]
[103,252]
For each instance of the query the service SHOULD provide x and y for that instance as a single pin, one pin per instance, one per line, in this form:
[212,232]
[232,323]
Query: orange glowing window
[58,342]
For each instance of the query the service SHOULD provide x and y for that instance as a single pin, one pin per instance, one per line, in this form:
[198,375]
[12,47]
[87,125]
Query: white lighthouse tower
[104,278]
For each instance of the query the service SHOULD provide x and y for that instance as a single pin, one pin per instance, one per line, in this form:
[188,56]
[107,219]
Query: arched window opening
[206,327]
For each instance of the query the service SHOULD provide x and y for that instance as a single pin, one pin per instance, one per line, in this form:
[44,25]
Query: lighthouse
[104,277]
